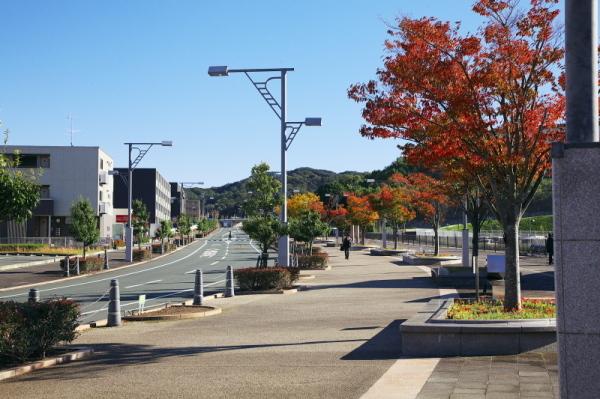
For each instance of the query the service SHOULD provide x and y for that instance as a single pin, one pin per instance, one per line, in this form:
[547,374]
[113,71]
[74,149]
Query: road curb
[77,354]
[29,264]
[204,311]
[94,273]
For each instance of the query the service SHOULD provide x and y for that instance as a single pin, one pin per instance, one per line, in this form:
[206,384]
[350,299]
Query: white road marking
[209,253]
[113,277]
[214,263]
[252,245]
[138,285]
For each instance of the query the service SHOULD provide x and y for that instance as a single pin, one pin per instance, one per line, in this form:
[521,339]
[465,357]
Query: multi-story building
[193,208]
[177,200]
[65,174]
[151,188]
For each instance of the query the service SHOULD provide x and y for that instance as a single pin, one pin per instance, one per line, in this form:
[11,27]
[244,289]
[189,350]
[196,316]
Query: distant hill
[227,199]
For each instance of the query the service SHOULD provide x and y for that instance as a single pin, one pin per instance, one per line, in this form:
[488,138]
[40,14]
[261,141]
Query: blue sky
[137,71]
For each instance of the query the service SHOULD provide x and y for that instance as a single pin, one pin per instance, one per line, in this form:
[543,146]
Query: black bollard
[114,306]
[106,266]
[229,291]
[34,295]
[199,288]
[67,267]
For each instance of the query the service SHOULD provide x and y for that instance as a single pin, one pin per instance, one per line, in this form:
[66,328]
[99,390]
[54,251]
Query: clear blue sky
[137,71]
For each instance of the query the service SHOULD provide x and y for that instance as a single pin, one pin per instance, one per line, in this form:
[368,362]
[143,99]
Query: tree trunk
[436,239]
[84,246]
[512,287]
[395,236]
[476,224]
[361,233]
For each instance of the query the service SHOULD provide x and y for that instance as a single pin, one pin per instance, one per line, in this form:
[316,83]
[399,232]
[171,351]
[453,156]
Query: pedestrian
[346,245]
[230,235]
[550,248]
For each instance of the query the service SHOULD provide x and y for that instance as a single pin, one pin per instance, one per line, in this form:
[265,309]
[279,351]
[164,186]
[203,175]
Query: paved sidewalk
[335,340]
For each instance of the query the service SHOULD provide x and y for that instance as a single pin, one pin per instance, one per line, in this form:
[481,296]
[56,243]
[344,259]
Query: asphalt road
[168,279]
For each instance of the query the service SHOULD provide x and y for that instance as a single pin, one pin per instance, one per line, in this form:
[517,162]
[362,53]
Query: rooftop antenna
[71,131]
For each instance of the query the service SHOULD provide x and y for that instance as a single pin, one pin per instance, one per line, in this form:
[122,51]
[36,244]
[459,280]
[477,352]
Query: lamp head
[166,143]
[218,70]
[312,121]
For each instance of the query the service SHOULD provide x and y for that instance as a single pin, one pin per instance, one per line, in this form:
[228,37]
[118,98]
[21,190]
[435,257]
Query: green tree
[84,223]
[306,227]
[19,194]
[263,225]
[164,232]
[139,220]
[184,225]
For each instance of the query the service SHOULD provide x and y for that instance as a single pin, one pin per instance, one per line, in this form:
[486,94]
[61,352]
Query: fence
[532,243]
[64,242]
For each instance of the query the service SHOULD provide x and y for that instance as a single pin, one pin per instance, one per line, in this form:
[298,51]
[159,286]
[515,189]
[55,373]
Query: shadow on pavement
[387,344]
[115,354]
[414,282]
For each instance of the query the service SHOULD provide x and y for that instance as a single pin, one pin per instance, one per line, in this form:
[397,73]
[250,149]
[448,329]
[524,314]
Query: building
[65,174]
[193,208]
[177,200]
[151,188]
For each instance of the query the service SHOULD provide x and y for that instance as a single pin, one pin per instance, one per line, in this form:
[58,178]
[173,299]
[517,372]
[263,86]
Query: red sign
[122,218]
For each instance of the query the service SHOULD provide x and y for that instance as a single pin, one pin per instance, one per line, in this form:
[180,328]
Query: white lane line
[214,263]
[113,277]
[252,245]
[223,258]
[138,285]
[136,302]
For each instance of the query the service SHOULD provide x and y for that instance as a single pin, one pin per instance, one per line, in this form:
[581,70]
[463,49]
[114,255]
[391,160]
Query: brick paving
[528,375]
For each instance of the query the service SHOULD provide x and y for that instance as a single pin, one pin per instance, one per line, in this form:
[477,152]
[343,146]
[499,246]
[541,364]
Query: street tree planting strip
[75,354]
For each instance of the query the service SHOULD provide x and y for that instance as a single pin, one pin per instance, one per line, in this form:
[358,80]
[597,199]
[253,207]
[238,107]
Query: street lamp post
[280,109]
[142,149]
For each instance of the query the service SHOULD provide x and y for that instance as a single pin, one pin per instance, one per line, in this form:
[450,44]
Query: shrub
[141,254]
[266,278]
[88,264]
[314,261]
[20,247]
[29,330]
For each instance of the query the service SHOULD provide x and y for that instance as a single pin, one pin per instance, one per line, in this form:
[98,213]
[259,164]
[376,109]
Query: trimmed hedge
[141,254]
[20,247]
[29,330]
[314,261]
[88,264]
[265,278]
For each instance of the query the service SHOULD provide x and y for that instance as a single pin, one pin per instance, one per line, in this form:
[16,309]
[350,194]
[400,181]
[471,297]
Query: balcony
[103,208]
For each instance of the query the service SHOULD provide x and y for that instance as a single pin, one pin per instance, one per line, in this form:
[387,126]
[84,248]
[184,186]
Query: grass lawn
[494,310]
[533,223]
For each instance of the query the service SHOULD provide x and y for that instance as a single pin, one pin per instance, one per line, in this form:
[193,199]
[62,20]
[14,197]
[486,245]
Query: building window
[101,164]
[101,195]
[44,161]
[45,192]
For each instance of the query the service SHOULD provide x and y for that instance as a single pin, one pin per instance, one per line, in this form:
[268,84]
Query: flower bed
[494,310]
[265,278]
[118,244]
[141,254]
[88,264]
[314,261]
[30,330]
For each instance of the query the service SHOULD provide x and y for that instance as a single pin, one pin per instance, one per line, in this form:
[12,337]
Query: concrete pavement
[335,340]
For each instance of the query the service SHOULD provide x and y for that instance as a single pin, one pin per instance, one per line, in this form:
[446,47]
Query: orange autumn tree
[339,218]
[493,97]
[305,202]
[361,213]
[394,205]
[429,197]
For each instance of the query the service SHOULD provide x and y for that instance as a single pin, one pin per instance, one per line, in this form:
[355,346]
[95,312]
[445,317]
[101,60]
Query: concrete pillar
[34,295]
[576,203]
[77,272]
[229,290]
[114,306]
[199,288]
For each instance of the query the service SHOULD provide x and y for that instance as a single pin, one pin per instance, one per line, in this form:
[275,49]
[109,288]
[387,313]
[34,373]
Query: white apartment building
[65,174]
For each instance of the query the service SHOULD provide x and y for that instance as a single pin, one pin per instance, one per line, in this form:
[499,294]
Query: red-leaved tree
[393,204]
[361,213]
[493,98]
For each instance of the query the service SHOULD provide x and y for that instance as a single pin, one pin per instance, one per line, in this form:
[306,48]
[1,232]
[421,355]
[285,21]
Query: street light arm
[263,90]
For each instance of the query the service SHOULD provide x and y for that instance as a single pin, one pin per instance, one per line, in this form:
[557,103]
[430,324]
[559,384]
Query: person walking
[550,248]
[346,245]
[230,235]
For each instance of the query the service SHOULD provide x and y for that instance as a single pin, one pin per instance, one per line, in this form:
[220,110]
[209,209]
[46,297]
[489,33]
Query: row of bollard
[114,305]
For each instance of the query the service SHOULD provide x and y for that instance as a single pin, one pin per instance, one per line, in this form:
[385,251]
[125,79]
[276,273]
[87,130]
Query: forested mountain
[228,199]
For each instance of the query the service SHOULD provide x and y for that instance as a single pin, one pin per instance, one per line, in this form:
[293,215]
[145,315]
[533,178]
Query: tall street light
[142,149]
[279,108]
